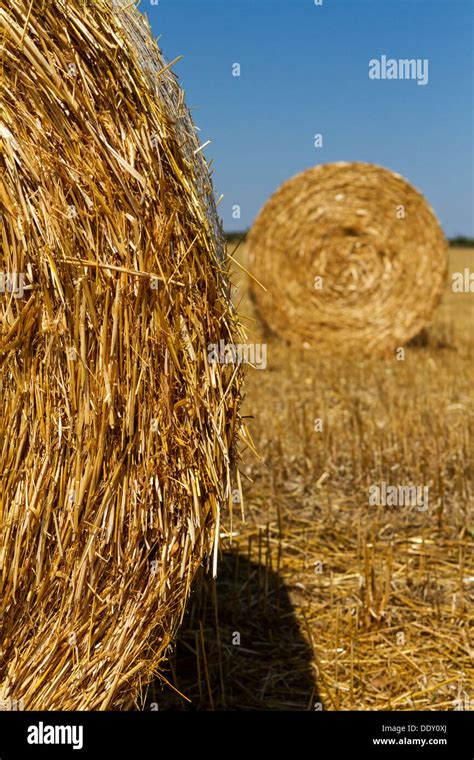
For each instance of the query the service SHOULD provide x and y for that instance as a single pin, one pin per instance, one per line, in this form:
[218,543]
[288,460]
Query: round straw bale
[117,433]
[351,256]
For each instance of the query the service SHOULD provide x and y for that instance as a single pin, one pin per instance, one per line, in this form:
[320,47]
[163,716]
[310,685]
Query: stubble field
[324,600]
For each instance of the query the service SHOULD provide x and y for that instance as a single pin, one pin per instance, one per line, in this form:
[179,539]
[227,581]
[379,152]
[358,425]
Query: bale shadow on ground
[240,646]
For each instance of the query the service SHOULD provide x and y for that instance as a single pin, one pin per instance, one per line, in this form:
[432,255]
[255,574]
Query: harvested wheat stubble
[351,255]
[117,437]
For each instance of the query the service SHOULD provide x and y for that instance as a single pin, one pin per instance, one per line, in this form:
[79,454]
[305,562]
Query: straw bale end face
[117,436]
[352,258]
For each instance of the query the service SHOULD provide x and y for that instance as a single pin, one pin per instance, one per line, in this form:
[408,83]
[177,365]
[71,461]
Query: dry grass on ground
[337,602]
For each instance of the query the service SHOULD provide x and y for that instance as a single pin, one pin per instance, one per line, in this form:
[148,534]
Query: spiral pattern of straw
[351,257]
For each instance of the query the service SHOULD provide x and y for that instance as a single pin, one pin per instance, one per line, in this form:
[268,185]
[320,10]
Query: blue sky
[304,70]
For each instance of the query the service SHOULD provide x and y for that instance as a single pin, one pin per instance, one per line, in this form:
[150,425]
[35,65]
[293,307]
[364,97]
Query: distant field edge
[460,241]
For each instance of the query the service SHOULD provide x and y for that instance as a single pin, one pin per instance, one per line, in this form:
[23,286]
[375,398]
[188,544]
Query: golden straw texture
[351,256]
[117,436]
